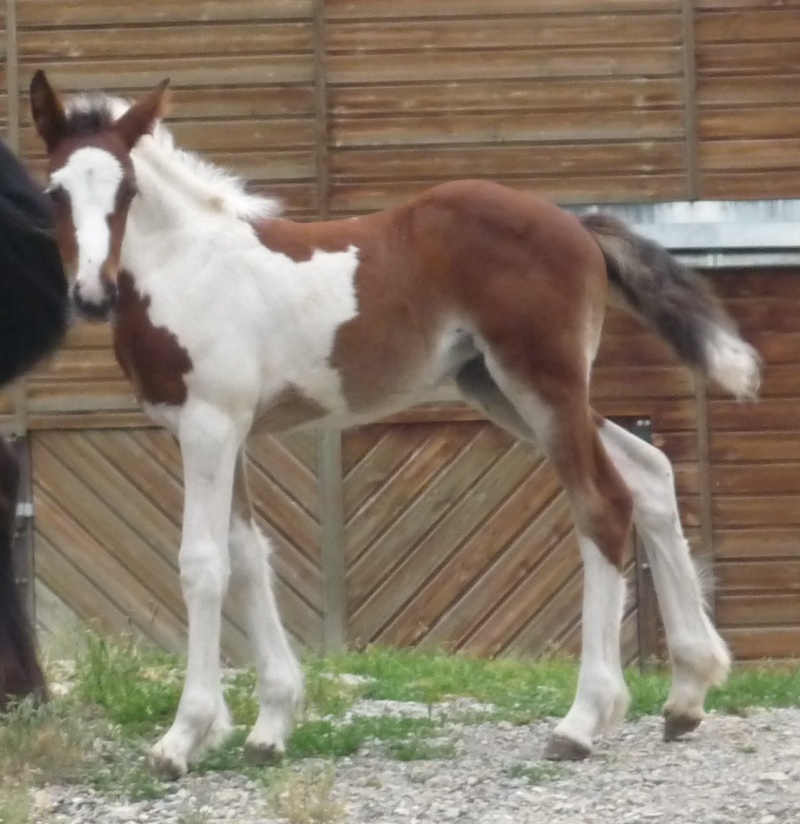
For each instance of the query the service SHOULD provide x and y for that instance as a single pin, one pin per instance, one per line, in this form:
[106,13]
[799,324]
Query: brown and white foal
[227,317]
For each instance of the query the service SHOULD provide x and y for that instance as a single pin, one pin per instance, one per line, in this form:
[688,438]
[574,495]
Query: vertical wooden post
[321,111]
[646,606]
[12,75]
[19,389]
[22,541]
[690,98]
[704,466]
[331,510]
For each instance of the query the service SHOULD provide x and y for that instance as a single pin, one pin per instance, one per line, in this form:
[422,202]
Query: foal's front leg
[209,443]
[280,679]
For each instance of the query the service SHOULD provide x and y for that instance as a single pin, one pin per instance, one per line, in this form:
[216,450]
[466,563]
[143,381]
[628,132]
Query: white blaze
[91,177]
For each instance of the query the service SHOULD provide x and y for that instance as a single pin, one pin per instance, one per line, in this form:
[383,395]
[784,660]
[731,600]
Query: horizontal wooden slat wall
[243,74]
[748,117]
[755,453]
[108,506]
[624,100]
[573,100]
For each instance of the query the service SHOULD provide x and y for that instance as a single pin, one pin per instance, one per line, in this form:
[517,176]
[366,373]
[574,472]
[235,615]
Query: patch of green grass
[749,688]
[136,687]
[44,743]
[421,749]
[538,689]
[124,695]
[15,806]
[537,773]
[331,739]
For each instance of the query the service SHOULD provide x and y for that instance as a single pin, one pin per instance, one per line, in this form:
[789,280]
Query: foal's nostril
[97,308]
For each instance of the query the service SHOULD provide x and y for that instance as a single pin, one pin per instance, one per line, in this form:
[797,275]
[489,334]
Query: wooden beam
[690,98]
[321,112]
[331,510]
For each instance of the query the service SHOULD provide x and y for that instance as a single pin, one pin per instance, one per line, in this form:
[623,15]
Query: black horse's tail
[20,673]
[34,309]
[34,304]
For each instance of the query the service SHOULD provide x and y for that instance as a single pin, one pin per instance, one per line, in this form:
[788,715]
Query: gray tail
[677,303]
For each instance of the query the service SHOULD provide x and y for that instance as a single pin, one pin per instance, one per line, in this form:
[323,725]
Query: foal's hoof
[676,726]
[165,768]
[561,748]
[262,755]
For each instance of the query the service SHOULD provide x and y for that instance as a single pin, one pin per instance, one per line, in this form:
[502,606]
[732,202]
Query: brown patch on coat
[288,409]
[299,241]
[379,350]
[150,356]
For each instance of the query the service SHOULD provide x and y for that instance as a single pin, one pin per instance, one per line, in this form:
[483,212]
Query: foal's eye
[56,193]
[128,190]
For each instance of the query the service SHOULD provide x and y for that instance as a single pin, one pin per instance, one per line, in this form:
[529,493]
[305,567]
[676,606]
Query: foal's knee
[204,571]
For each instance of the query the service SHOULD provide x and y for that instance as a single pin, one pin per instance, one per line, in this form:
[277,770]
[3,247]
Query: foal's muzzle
[99,306]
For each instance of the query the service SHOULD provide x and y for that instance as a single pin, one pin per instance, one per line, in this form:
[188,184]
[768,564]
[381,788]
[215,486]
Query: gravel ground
[732,770]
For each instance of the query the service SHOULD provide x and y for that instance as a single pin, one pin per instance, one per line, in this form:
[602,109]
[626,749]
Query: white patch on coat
[91,177]
[252,320]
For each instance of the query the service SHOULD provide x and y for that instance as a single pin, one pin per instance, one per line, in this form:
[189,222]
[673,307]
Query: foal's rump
[532,280]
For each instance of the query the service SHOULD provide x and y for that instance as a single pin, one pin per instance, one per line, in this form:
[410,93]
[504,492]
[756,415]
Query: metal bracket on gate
[24,510]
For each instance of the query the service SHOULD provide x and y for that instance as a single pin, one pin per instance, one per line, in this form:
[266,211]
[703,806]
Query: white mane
[211,186]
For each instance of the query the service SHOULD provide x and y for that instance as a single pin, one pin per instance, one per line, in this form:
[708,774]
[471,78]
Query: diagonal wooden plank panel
[404,486]
[479,573]
[272,457]
[130,595]
[441,564]
[421,536]
[532,595]
[366,478]
[284,515]
[149,476]
[473,449]
[82,490]
[118,496]
[515,636]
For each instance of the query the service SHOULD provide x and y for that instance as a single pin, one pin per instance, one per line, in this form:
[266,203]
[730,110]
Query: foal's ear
[141,118]
[47,111]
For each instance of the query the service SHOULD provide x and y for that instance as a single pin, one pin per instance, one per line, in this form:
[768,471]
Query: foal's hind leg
[562,424]
[699,656]
[209,443]
[280,680]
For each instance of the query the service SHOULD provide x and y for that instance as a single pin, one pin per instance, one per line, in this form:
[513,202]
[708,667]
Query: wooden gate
[455,536]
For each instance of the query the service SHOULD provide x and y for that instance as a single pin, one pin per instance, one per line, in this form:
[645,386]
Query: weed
[44,743]
[421,749]
[15,807]
[536,773]
[307,798]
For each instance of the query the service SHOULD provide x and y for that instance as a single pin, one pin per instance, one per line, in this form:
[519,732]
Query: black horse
[34,309]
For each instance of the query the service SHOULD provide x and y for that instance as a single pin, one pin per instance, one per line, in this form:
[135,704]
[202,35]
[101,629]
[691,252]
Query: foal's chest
[151,356]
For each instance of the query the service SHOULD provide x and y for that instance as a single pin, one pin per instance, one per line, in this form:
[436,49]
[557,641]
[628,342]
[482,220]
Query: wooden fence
[450,534]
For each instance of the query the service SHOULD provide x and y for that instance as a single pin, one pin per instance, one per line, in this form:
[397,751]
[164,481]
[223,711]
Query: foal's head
[92,183]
